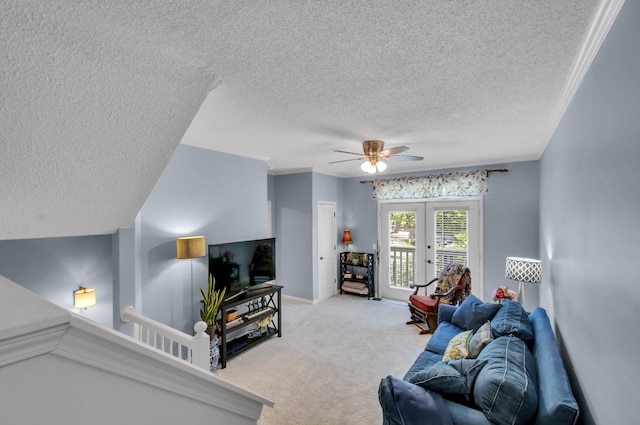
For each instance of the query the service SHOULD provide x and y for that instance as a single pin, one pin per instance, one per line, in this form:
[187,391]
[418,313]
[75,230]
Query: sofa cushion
[473,313]
[404,403]
[464,415]
[511,319]
[556,404]
[458,347]
[454,377]
[425,359]
[441,337]
[480,339]
[505,389]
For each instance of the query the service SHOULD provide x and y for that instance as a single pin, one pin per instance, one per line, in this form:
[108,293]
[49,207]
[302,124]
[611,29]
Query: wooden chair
[454,286]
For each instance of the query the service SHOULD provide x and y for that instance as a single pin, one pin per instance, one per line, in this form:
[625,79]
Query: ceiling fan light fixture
[372,166]
[368,167]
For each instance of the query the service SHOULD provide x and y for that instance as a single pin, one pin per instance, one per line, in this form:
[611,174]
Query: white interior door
[327,261]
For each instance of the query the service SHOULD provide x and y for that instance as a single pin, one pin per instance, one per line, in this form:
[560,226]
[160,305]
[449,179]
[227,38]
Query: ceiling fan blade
[346,160]
[405,158]
[350,153]
[393,151]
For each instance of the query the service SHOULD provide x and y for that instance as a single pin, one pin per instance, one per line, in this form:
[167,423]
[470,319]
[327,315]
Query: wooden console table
[259,303]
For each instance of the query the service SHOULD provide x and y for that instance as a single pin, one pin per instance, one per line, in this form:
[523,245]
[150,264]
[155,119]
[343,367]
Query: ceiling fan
[374,152]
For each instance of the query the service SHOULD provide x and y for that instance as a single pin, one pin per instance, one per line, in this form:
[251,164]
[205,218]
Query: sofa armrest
[556,404]
[445,312]
[404,403]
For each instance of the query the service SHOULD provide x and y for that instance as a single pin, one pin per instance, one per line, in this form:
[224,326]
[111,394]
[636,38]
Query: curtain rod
[493,170]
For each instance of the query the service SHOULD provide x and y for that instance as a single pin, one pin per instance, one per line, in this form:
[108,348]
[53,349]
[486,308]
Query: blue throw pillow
[506,387]
[453,377]
[473,313]
[511,319]
[404,403]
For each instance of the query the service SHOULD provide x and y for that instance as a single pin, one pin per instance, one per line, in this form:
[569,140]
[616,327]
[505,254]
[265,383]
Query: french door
[418,239]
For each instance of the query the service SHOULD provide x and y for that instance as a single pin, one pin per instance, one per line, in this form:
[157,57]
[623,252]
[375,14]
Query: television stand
[269,297]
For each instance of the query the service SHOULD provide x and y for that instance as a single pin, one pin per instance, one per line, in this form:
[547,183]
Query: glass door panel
[401,249]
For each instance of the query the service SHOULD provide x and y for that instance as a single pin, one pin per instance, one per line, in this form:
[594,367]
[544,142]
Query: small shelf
[245,342]
[365,267]
[248,318]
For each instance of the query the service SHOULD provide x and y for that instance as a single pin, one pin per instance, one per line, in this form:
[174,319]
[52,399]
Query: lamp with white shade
[84,297]
[523,270]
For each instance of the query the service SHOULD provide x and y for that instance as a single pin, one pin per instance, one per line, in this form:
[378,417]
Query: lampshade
[371,167]
[83,297]
[190,247]
[346,237]
[524,270]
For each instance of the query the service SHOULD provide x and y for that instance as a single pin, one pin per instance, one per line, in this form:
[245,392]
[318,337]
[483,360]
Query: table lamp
[523,270]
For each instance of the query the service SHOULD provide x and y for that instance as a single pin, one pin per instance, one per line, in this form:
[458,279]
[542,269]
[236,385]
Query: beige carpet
[326,367]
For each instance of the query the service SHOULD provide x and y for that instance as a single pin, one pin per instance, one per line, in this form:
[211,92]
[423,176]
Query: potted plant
[211,301]
[356,258]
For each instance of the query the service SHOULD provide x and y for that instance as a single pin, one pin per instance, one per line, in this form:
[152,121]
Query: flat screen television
[240,265]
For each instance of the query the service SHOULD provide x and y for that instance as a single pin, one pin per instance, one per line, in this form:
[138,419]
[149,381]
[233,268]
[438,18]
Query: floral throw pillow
[458,347]
[480,339]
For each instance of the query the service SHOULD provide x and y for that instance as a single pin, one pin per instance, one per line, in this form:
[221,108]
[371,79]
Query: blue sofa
[517,378]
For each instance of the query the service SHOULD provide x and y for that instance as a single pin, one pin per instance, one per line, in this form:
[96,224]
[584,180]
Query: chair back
[454,274]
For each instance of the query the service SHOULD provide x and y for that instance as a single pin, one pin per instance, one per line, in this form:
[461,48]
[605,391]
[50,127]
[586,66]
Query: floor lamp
[523,270]
[190,247]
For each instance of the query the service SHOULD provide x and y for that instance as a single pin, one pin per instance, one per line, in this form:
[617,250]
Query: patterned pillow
[441,337]
[458,347]
[480,339]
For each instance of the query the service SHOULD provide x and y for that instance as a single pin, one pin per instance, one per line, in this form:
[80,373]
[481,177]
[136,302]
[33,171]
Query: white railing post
[200,354]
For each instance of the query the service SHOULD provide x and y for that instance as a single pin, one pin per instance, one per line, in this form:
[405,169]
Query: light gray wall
[222,197]
[294,234]
[360,215]
[55,267]
[510,219]
[511,224]
[590,233]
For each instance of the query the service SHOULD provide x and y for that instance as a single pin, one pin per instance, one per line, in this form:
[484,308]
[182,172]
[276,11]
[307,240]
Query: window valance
[470,183]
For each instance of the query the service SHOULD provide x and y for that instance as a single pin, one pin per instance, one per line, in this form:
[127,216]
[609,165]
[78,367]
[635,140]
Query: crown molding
[603,18]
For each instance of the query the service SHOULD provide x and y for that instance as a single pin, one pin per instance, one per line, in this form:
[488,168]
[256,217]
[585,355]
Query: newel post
[201,346]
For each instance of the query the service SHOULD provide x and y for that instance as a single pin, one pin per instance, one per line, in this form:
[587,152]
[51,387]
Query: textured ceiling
[96,95]
[458,82]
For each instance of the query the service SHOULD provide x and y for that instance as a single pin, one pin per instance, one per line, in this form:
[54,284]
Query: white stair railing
[192,349]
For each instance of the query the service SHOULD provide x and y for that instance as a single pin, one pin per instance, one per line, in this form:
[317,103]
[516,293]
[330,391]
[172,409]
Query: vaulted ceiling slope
[95,95]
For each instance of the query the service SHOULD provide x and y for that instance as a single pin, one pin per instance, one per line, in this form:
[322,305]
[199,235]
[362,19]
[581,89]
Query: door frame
[477,273]
[383,270]
[332,261]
